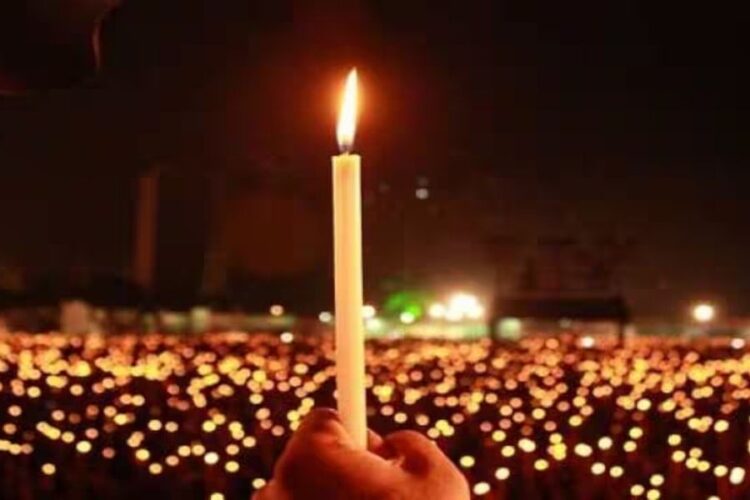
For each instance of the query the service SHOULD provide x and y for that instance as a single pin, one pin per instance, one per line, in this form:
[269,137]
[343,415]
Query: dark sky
[590,119]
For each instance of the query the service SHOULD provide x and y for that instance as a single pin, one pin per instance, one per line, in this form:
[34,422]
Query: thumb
[417,453]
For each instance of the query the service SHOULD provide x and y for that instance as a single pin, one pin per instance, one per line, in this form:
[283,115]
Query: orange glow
[347,124]
[533,419]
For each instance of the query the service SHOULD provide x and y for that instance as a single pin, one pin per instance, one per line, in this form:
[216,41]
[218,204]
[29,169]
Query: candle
[347,230]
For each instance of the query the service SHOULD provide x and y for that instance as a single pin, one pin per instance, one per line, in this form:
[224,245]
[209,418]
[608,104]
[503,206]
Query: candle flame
[347,124]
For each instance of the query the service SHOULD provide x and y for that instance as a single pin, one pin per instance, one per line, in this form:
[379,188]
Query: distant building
[549,314]
[556,283]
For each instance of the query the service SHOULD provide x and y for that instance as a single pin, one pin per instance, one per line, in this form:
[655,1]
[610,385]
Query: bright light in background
[460,306]
[407,317]
[704,312]
[453,315]
[463,306]
[287,337]
[462,301]
[325,317]
[475,312]
[276,310]
[510,328]
[374,324]
[587,342]
[737,343]
[737,475]
[436,311]
[368,311]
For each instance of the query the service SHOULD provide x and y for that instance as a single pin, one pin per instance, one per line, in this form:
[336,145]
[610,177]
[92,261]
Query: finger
[375,442]
[261,494]
[323,424]
[319,419]
[271,491]
[418,453]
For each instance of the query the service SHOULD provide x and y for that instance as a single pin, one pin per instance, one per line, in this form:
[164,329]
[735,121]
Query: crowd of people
[207,416]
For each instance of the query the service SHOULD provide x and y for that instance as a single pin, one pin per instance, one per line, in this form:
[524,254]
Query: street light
[704,312]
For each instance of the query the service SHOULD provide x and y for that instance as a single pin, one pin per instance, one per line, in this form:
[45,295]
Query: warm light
[407,318]
[463,305]
[721,426]
[598,468]
[286,337]
[635,432]
[657,480]
[502,473]
[637,490]
[678,456]
[481,488]
[587,342]
[541,464]
[653,494]
[737,475]
[527,445]
[737,343]
[582,450]
[347,124]
[368,311]
[703,313]
[436,310]
[325,317]
[276,310]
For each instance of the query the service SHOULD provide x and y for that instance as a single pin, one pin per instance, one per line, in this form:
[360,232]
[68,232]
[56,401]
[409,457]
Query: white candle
[347,229]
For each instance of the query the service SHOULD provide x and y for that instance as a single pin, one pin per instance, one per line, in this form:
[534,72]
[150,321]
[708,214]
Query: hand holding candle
[347,225]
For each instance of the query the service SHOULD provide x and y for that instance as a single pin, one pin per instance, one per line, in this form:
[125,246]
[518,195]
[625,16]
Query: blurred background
[176,153]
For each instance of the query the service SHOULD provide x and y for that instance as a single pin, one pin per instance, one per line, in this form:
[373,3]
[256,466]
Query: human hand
[321,461]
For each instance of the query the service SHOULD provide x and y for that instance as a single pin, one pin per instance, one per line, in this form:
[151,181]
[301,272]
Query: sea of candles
[207,416]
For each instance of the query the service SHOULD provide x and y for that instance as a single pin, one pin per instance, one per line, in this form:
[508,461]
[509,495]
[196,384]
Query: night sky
[590,120]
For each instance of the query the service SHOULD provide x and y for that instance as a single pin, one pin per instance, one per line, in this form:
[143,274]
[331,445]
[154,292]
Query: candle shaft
[350,345]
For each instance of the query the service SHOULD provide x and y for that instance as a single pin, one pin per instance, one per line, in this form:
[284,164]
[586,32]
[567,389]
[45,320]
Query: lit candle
[347,229]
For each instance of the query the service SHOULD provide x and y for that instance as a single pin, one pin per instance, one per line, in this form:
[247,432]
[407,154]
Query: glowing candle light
[347,224]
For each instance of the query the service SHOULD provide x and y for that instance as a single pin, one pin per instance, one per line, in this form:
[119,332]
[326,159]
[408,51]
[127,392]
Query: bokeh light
[212,412]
